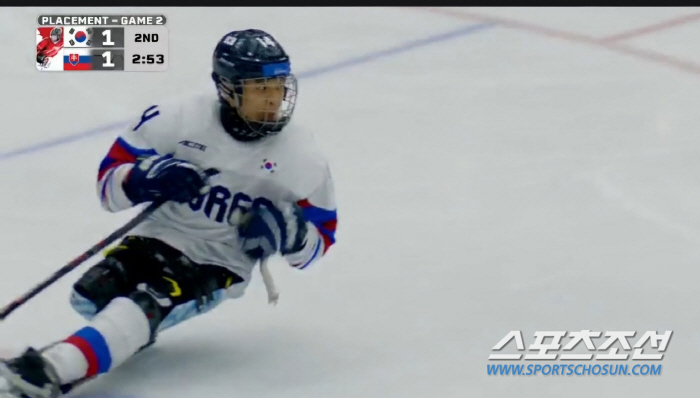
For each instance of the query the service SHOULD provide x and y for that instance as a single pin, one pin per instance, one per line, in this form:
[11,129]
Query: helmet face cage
[265,104]
[55,35]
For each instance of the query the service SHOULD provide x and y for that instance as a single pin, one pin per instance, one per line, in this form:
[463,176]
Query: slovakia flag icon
[75,61]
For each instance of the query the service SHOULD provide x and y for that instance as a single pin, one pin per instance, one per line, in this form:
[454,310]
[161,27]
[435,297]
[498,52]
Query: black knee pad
[154,275]
[108,280]
[103,282]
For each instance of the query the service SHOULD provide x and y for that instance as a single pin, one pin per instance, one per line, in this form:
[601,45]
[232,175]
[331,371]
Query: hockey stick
[80,259]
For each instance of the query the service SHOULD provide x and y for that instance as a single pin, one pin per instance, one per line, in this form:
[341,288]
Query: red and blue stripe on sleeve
[325,221]
[119,154]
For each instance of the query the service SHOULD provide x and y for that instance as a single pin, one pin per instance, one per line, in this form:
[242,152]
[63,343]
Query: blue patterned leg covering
[188,310]
[86,308]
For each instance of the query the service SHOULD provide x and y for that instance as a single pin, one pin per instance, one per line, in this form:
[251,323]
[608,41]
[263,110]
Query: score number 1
[107,33]
[112,37]
[107,55]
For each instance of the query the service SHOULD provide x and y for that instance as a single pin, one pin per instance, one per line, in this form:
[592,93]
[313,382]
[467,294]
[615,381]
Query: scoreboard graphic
[137,43]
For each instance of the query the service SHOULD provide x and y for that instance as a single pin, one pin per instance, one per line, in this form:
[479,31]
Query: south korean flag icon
[79,36]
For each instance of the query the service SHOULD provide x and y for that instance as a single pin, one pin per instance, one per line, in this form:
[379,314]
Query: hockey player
[49,47]
[242,184]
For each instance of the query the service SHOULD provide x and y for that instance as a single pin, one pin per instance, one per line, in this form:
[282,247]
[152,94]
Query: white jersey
[286,167]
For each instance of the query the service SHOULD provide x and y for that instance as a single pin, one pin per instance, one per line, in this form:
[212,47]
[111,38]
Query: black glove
[165,178]
[265,229]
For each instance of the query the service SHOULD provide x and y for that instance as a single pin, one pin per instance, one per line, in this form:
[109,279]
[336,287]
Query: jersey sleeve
[148,136]
[41,46]
[320,212]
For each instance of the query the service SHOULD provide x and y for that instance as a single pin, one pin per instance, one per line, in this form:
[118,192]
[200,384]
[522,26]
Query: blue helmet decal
[278,69]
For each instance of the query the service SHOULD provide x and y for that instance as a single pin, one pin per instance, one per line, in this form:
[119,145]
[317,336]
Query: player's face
[262,99]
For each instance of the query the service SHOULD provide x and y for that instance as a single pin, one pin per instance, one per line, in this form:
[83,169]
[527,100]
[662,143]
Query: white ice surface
[491,182]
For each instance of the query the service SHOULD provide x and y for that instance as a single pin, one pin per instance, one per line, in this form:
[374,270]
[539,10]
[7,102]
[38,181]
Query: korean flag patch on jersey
[79,36]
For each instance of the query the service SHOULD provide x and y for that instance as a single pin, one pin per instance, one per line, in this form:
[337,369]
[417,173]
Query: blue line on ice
[363,59]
